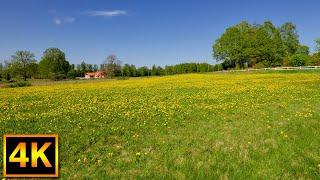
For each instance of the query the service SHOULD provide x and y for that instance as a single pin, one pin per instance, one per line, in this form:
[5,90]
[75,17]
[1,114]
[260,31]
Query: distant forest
[239,47]
[54,65]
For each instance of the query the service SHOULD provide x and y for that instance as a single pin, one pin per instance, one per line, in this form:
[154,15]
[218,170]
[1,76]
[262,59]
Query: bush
[286,61]
[217,67]
[18,84]
[299,60]
[58,77]
[315,60]
[71,74]
[259,65]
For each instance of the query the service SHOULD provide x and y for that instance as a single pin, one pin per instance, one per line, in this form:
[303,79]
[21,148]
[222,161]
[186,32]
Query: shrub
[259,65]
[286,61]
[217,67]
[299,60]
[315,60]
[71,74]
[18,84]
[58,77]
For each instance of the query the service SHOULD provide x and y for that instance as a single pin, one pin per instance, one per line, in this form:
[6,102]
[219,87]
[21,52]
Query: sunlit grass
[235,125]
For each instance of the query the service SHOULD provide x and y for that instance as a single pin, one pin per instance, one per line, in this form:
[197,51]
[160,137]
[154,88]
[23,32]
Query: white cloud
[57,21]
[63,20]
[69,19]
[107,13]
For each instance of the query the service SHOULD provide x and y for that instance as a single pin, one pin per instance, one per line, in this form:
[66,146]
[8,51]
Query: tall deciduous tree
[235,46]
[268,47]
[1,71]
[95,67]
[249,44]
[90,67]
[290,38]
[317,41]
[54,62]
[112,66]
[83,67]
[126,70]
[315,58]
[302,49]
[23,64]
[143,71]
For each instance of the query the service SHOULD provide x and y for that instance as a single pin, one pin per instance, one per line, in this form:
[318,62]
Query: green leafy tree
[1,71]
[133,70]
[217,67]
[83,67]
[317,41]
[72,67]
[154,71]
[23,64]
[72,74]
[95,67]
[78,67]
[302,49]
[90,67]
[268,48]
[235,46]
[6,71]
[54,63]
[118,68]
[160,71]
[126,70]
[170,70]
[315,59]
[299,60]
[111,65]
[205,67]
[290,38]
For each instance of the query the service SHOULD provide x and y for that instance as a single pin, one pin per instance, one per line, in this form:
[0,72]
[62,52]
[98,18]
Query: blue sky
[141,32]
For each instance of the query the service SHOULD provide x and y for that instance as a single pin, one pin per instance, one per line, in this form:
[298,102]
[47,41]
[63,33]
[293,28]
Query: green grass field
[195,126]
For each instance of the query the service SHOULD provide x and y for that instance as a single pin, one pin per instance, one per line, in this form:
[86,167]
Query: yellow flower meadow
[239,125]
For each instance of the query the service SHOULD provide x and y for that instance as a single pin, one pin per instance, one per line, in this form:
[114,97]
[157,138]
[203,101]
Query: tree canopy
[268,48]
[53,63]
[247,45]
[235,46]
[23,64]
[317,41]
[290,37]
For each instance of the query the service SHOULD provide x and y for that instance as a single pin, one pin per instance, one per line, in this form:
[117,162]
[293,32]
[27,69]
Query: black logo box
[13,169]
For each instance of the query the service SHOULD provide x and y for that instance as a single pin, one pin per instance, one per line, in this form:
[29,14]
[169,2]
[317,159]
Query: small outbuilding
[98,75]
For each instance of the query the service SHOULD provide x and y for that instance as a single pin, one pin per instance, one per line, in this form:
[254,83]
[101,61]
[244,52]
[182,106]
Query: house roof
[91,74]
[94,73]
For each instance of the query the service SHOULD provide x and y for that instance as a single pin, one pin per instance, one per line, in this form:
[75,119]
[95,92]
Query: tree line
[54,65]
[263,45]
[241,46]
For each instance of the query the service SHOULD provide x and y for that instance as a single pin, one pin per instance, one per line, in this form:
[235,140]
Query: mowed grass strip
[223,125]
